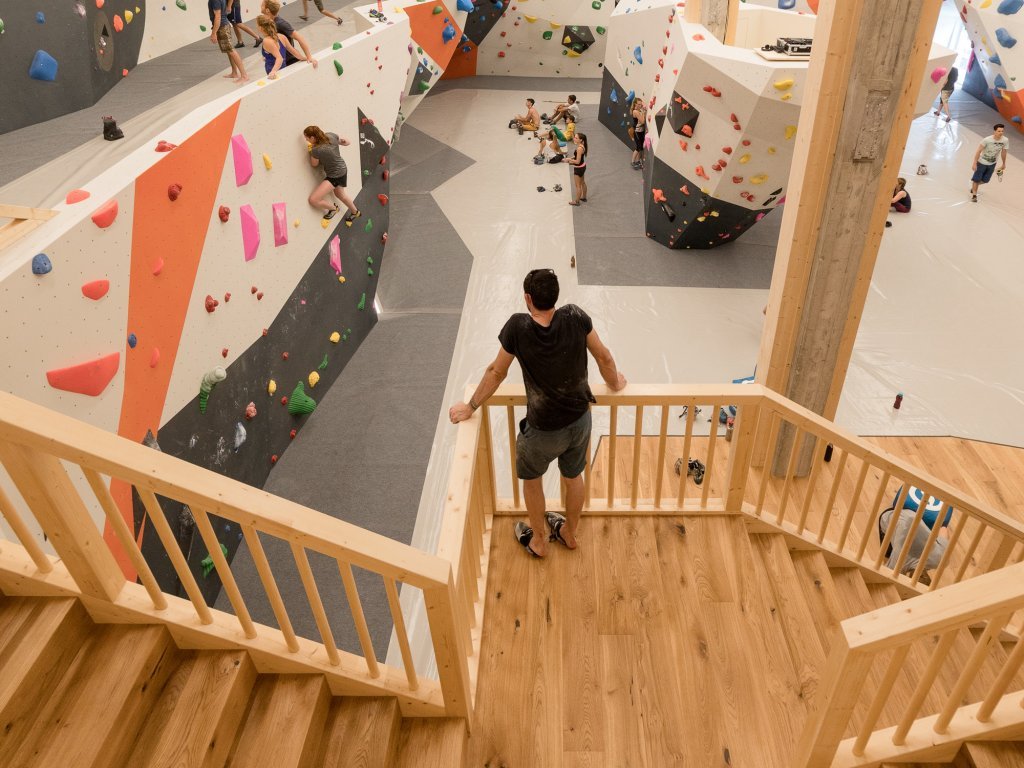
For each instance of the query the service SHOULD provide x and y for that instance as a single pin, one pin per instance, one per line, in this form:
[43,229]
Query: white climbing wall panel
[995,29]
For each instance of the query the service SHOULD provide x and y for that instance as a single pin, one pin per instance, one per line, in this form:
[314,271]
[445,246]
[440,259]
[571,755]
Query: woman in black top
[325,152]
[579,168]
[900,197]
[639,114]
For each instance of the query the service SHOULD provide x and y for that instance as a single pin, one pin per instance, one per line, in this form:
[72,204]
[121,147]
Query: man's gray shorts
[536,449]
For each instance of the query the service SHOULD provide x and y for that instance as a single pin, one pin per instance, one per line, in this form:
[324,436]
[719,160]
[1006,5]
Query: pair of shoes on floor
[524,533]
[694,467]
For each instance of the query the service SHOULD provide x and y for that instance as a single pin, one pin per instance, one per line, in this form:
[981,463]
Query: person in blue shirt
[220,33]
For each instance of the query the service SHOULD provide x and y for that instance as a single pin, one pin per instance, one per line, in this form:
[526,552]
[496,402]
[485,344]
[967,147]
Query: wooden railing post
[63,516]
[845,673]
[740,455]
[449,649]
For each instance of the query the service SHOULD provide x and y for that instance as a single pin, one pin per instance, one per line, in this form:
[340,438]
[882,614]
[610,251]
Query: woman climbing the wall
[639,114]
[274,47]
[579,164]
[325,152]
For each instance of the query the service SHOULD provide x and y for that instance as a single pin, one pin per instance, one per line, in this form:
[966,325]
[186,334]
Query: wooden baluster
[794,451]
[832,493]
[958,528]
[612,437]
[25,537]
[588,473]
[851,510]
[932,536]
[894,520]
[1001,683]
[638,432]
[691,408]
[965,564]
[881,698]
[924,684]
[812,481]
[403,637]
[356,607]
[709,461]
[740,455]
[978,656]
[259,558]
[155,515]
[873,511]
[315,603]
[1001,554]
[659,477]
[486,461]
[449,653]
[511,412]
[227,578]
[775,423]
[904,552]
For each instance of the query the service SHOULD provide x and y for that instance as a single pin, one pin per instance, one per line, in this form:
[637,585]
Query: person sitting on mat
[528,122]
[550,150]
[568,111]
[900,197]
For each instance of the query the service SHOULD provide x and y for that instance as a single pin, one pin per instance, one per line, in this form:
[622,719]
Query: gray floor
[613,249]
[501,83]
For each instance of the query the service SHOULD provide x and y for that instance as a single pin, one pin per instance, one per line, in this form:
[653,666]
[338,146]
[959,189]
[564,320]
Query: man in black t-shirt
[551,347]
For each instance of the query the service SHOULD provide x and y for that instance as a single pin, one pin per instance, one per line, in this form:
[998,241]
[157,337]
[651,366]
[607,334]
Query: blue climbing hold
[1000,82]
[465,5]
[132,340]
[630,96]
[787,5]
[40,17]
[467,49]
[43,67]
[638,55]
[1015,119]
[448,33]
[1008,7]
[41,264]
[614,96]
[1005,38]
[996,60]
[464,38]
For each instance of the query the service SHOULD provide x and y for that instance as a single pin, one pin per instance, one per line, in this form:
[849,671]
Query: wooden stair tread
[194,721]
[94,712]
[993,754]
[360,733]
[437,742]
[820,594]
[283,724]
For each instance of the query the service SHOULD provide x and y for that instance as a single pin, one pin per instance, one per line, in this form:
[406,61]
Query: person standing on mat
[986,156]
[325,152]
[946,92]
[235,17]
[551,346]
[579,168]
[639,114]
[320,7]
[271,9]
[220,33]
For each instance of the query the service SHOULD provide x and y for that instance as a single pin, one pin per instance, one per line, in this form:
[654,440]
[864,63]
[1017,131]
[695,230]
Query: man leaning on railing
[551,347]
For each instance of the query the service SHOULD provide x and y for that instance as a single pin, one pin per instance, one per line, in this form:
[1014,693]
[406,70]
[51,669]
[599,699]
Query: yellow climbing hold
[261,82]
[335,337]
[271,387]
[771,150]
[985,3]
[790,132]
[567,40]
[554,24]
[341,278]
[325,223]
[295,223]
[783,85]
[572,54]
[266,161]
[761,178]
[787,96]
[530,19]
[313,378]
[715,214]
[744,159]
[128,16]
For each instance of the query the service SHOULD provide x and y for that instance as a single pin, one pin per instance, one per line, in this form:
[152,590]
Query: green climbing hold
[337,46]
[181,4]
[596,5]
[369,271]
[210,380]
[565,52]
[323,363]
[437,9]
[2,27]
[362,303]
[418,49]
[369,225]
[424,86]
[547,35]
[600,30]
[369,259]
[202,28]
[207,562]
[337,66]
[366,172]
[300,403]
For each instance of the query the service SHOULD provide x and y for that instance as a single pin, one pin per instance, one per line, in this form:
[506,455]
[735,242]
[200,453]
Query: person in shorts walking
[220,33]
[320,7]
[235,17]
[551,346]
[991,150]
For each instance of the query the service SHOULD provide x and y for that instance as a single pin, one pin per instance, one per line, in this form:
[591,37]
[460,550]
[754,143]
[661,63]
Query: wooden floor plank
[431,742]
[361,733]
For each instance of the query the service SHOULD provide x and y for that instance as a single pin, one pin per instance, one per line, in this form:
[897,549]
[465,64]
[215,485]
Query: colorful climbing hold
[224,213]
[240,435]
[250,411]
[41,264]
[210,380]
[790,133]
[76,196]
[104,216]
[173,192]
[132,340]
[784,85]
[250,232]
[210,303]
[300,403]
[43,67]
[340,69]
[313,379]
[88,378]
[242,158]
[1004,38]
[362,303]
[335,337]
[96,289]
[638,55]
[266,161]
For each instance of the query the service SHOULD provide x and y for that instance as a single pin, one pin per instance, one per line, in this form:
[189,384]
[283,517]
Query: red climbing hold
[746,142]
[173,192]
[96,289]
[284,355]
[727,150]
[211,303]
[227,297]
[382,199]
[716,167]
[685,190]
[104,215]
[284,400]
[293,433]
[75,196]
[253,289]
[89,378]
[259,296]
[687,131]
[224,352]
[158,267]
[224,213]
[273,459]
[658,195]
[732,116]
[501,54]
[683,145]
[737,179]
[154,357]
[385,174]
[165,146]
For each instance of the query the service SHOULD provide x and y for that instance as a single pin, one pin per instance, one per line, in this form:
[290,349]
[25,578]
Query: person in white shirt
[570,108]
[992,149]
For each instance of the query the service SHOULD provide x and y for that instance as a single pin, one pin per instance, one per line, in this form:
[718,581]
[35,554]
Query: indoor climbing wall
[190,293]
[995,26]
[800,6]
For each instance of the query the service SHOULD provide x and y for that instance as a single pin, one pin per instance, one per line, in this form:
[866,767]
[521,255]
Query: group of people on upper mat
[551,345]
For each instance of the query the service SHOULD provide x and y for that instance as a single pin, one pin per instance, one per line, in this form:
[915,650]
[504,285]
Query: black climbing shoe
[110,130]
[353,216]
[330,214]
[524,535]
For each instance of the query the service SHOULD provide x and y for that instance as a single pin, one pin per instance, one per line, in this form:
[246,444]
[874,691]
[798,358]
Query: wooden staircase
[73,692]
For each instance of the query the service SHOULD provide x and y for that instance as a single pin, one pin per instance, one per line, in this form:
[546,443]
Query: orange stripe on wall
[174,233]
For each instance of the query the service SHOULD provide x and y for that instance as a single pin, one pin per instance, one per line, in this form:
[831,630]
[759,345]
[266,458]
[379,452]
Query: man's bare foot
[230,75]
[242,79]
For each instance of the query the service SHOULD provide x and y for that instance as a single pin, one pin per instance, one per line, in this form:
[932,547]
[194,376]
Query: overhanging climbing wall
[995,28]
[198,260]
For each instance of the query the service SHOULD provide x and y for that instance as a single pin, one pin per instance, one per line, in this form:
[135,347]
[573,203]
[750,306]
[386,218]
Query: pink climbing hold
[76,196]
[173,192]
[250,411]
[242,158]
[224,213]
[89,378]
[938,73]
[658,195]
[280,224]
[336,254]
[118,23]
[154,357]
[158,266]
[165,146]
[250,229]
[687,131]
[96,289]
[104,216]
